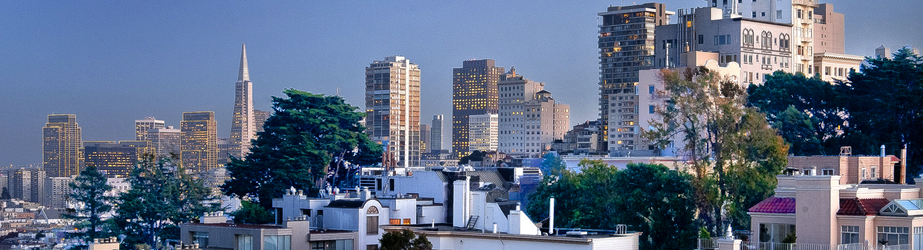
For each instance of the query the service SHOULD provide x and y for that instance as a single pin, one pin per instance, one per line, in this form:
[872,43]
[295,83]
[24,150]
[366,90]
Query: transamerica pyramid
[242,129]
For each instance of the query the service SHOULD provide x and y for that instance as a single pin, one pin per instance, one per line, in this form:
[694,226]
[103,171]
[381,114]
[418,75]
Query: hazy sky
[112,62]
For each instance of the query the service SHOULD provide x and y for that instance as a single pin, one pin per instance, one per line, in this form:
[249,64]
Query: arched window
[372,210]
[766,40]
[748,37]
[784,42]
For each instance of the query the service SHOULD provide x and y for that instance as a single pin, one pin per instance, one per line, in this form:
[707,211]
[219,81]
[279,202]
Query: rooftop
[775,205]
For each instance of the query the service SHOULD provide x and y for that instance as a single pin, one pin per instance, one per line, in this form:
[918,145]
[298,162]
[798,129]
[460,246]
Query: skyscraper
[626,45]
[436,134]
[242,129]
[474,92]
[392,103]
[425,138]
[165,141]
[199,150]
[62,153]
[143,125]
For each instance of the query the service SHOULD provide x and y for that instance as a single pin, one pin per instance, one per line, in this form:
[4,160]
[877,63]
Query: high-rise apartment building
[165,141]
[392,103]
[483,132]
[57,191]
[425,138]
[242,129]
[27,184]
[199,147]
[626,45]
[474,92]
[62,153]
[143,125]
[259,119]
[514,92]
[436,134]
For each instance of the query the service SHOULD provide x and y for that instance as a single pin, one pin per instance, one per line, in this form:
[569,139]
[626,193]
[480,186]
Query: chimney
[903,173]
[882,150]
[551,216]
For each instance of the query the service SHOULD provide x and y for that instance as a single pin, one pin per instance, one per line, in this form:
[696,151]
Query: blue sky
[112,62]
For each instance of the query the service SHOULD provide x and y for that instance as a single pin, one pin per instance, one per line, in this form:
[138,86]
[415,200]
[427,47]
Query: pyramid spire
[244,72]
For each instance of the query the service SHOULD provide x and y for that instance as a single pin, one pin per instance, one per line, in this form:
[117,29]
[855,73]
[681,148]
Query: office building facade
[483,131]
[114,159]
[143,125]
[62,153]
[199,141]
[474,92]
[392,102]
[165,142]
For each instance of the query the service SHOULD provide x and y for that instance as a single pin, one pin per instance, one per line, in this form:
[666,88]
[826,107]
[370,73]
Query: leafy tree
[553,164]
[251,213]
[89,191]
[797,128]
[404,240]
[5,195]
[820,104]
[733,151]
[655,200]
[885,105]
[303,137]
[161,197]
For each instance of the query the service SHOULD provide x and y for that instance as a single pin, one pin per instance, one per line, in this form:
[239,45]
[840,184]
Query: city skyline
[114,63]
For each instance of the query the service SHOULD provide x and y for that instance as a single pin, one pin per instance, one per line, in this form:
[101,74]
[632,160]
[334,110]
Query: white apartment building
[483,131]
[514,91]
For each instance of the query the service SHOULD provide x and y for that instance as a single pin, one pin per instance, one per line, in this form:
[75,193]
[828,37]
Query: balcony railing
[707,244]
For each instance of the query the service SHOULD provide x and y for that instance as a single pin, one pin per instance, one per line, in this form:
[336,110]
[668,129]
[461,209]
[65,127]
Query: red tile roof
[861,207]
[775,205]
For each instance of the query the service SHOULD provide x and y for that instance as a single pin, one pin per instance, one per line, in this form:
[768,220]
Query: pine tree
[89,192]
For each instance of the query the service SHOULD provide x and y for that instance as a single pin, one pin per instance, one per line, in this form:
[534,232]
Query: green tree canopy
[727,143]
[304,136]
[89,192]
[553,164]
[404,240]
[250,213]
[161,197]
[649,198]
[885,105]
[879,105]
